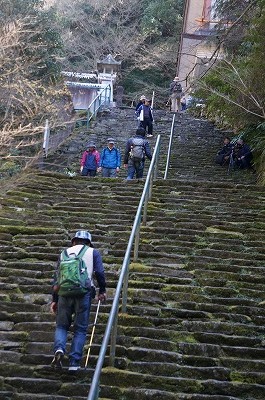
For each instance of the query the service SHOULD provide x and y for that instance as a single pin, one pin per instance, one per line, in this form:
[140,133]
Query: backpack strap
[65,256]
[82,251]
[89,253]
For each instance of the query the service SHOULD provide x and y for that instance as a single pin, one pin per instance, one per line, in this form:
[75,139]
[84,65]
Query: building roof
[109,60]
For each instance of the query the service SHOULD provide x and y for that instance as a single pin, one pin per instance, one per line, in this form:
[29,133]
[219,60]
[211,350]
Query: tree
[142,34]
[28,74]
[233,87]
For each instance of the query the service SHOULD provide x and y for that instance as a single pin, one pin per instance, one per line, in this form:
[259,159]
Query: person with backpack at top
[175,95]
[145,115]
[90,161]
[110,160]
[73,291]
[137,148]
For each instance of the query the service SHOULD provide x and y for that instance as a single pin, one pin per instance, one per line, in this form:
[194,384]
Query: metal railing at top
[103,99]
[112,324]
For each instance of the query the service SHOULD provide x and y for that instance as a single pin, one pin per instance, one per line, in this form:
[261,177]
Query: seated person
[223,155]
[242,154]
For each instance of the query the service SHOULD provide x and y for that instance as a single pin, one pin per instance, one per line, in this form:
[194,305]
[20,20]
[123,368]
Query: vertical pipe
[113,340]
[169,146]
[136,243]
[46,138]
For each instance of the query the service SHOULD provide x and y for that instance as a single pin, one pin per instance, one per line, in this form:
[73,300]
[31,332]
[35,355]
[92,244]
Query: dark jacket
[138,106]
[146,146]
[226,150]
[175,87]
[241,151]
[147,112]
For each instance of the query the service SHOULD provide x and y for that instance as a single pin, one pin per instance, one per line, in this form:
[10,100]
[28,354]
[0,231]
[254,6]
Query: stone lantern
[107,71]
[108,66]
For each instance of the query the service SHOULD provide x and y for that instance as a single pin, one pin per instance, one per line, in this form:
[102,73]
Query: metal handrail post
[156,163]
[146,205]
[169,146]
[125,287]
[113,340]
[136,243]
[151,186]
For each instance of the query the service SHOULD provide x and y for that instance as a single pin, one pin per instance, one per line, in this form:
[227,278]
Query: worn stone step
[150,394]
[195,294]
[34,396]
[121,378]
[178,370]
[203,349]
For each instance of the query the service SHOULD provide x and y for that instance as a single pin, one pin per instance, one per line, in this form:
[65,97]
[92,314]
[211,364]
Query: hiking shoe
[149,135]
[57,359]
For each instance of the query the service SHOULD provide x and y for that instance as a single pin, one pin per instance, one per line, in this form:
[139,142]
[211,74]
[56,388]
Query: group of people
[75,309]
[72,308]
[236,154]
[108,162]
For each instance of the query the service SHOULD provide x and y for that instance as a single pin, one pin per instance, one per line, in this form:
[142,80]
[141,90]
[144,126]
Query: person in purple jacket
[90,161]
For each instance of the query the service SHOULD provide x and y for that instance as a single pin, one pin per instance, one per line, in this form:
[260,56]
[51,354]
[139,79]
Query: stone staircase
[195,323]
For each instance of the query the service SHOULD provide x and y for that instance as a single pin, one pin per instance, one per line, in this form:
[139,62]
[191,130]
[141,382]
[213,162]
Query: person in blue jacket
[110,160]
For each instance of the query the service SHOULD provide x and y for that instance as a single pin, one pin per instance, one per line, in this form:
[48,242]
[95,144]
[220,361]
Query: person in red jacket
[90,160]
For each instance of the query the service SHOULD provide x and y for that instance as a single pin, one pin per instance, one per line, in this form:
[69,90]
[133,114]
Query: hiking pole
[231,163]
[92,335]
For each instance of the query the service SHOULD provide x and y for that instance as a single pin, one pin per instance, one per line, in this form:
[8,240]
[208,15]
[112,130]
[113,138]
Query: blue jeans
[135,167]
[76,310]
[109,172]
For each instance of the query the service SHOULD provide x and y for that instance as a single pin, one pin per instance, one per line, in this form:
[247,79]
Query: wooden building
[196,54]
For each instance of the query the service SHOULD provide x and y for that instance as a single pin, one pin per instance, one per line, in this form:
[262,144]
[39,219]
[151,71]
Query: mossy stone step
[178,370]
[215,351]
[251,268]
[8,395]
[34,385]
[189,309]
[151,394]
[224,327]
[121,378]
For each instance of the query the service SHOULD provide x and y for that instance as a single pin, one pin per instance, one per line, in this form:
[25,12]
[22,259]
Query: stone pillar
[119,95]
